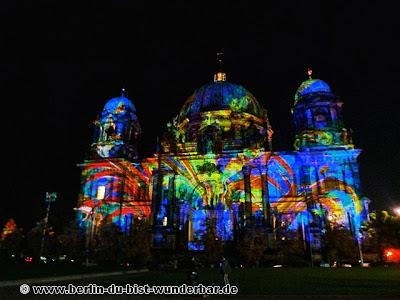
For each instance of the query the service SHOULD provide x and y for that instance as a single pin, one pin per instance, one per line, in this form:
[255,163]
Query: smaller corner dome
[118,104]
[311,86]
[120,108]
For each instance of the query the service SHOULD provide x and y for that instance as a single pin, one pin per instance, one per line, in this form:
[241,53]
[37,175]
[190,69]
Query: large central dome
[219,117]
[221,95]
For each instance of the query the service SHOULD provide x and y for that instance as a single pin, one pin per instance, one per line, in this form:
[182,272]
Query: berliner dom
[215,167]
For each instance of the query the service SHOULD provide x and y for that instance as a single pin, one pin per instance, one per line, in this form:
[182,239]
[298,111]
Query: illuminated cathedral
[215,166]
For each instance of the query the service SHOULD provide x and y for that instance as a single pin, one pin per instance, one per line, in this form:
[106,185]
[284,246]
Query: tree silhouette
[252,246]
[137,245]
[71,241]
[340,246]
[213,246]
[11,241]
[381,231]
[106,244]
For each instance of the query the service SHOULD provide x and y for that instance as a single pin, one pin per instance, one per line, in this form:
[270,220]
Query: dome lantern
[220,75]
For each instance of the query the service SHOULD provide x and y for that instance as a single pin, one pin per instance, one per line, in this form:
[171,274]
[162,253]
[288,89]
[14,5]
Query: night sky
[59,64]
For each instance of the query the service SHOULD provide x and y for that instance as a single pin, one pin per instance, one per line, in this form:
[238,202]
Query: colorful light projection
[322,139]
[220,117]
[228,189]
[113,191]
[221,95]
[213,168]
[116,128]
[214,188]
[311,86]
[318,117]
[329,191]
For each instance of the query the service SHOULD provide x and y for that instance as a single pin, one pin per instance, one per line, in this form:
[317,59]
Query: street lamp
[89,233]
[397,211]
[50,198]
[89,219]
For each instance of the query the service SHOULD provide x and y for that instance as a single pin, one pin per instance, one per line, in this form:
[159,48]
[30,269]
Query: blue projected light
[312,86]
[215,167]
[115,103]
[221,96]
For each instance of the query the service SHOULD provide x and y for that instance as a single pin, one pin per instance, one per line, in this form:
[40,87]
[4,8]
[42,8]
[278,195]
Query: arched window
[321,118]
[210,141]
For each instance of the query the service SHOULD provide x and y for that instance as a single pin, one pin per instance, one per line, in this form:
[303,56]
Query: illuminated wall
[299,189]
[216,166]
[113,188]
[113,191]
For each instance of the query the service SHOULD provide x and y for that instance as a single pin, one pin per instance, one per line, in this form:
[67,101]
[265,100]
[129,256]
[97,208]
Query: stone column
[247,189]
[265,196]
[171,201]
[156,197]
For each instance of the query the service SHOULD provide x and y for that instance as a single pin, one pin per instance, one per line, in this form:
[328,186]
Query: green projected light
[215,167]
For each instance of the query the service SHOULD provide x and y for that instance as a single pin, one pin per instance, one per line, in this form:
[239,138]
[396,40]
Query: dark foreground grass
[293,281]
[318,281]
[262,281]
[22,271]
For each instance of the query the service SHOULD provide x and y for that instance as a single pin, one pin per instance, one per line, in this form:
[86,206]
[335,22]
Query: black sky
[60,63]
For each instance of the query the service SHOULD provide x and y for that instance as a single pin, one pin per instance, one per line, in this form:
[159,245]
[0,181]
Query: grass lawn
[21,271]
[318,281]
[293,281]
[262,281]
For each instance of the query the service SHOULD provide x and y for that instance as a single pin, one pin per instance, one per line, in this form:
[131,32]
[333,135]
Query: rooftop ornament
[220,75]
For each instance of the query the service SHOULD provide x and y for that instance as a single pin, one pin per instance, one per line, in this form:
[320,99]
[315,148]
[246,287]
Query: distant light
[392,255]
[397,211]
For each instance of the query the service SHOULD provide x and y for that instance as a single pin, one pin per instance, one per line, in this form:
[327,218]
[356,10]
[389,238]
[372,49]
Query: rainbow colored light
[216,166]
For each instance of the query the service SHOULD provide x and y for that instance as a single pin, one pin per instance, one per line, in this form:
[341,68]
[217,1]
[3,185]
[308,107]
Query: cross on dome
[220,75]
[309,73]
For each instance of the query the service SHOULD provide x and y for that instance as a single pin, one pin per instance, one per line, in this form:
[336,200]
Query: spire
[220,75]
[122,92]
[158,145]
[219,58]
[309,73]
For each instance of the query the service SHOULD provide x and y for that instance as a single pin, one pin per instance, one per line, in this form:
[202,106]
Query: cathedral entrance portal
[208,208]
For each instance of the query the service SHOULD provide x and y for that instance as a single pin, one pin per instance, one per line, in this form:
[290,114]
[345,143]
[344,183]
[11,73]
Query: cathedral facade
[215,167]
